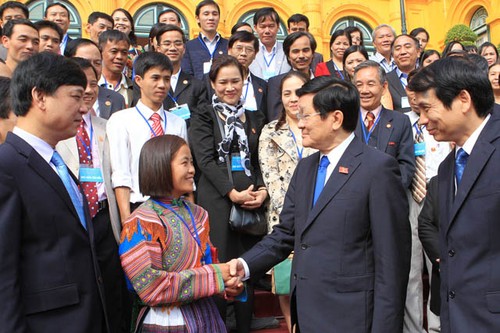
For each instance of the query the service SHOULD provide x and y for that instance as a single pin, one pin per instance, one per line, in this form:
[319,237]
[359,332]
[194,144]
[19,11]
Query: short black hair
[224,60]
[169,27]
[261,15]
[8,28]
[57,4]
[449,76]
[414,40]
[112,36]
[350,50]
[85,64]
[416,31]
[45,72]
[245,37]
[94,16]
[148,60]
[291,38]
[206,3]
[296,18]
[238,25]
[5,101]
[14,5]
[333,94]
[42,24]
[74,44]
[169,10]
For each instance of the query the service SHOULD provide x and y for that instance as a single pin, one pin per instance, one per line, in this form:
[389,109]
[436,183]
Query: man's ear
[39,98]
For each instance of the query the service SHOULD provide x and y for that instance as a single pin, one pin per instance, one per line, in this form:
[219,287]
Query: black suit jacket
[395,138]
[351,250]
[49,274]
[190,91]
[397,91]
[109,102]
[274,104]
[196,54]
[428,232]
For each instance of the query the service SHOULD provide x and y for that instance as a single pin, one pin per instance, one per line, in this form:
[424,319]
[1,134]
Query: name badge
[268,74]
[236,163]
[206,66]
[405,103]
[90,175]
[419,149]
[181,111]
[251,104]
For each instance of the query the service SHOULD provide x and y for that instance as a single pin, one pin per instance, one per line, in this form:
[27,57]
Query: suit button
[451,294]
[304,246]
[99,279]
[451,253]
[295,276]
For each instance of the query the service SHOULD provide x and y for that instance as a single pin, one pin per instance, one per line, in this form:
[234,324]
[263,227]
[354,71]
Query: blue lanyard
[417,128]
[147,122]
[246,91]
[366,136]
[299,151]
[338,70]
[270,61]
[195,234]
[402,83]
[206,47]
[174,99]
[87,148]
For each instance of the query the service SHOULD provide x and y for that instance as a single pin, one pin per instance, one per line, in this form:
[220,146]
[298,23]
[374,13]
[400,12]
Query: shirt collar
[471,141]
[375,112]
[207,40]
[147,112]
[263,47]
[336,153]
[41,147]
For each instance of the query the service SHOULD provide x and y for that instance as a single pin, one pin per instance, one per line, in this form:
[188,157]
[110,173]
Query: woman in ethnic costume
[165,249]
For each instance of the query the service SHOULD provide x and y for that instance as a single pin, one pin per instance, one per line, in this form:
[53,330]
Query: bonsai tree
[461,33]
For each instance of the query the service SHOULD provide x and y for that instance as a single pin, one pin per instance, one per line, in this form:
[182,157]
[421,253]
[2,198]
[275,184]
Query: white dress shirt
[387,66]
[127,132]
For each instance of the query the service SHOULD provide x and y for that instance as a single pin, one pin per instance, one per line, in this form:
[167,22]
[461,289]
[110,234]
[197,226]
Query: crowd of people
[122,164]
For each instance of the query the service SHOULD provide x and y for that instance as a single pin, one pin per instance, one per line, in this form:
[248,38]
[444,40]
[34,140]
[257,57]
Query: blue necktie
[63,172]
[320,178]
[460,163]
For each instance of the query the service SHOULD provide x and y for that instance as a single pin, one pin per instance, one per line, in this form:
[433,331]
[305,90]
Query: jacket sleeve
[428,222]
[406,153]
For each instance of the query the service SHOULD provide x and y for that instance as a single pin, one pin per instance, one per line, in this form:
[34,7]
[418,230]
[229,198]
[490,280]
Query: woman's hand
[241,197]
[258,198]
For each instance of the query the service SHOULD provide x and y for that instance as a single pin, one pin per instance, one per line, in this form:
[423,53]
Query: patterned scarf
[233,125]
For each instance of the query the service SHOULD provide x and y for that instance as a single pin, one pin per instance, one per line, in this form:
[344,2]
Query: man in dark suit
[386,130]
[456,105]
[209,44]
[405,51]
[299,49]
[351,261]
[49,273]
[108,101]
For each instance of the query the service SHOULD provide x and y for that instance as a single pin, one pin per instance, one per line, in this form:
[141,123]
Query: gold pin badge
[433,149]
[220,52]
[388,125]
[260,90]
[107,103]
[253,131]
[101,138]
[185,81]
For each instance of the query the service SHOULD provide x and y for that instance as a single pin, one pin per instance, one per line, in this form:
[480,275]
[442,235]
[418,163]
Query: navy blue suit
[469,238]
[394,137]
[49,274]
[397,91]
[196,54]
[109,102]
[351,250]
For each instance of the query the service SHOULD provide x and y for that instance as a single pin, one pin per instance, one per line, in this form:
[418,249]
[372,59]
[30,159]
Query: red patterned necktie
[157,129]
[369,120]
[84,148]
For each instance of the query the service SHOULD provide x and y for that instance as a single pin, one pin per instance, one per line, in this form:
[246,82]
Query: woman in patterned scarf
[225,130]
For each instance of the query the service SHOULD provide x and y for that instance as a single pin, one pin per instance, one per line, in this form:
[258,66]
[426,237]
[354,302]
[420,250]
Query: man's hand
[236,268]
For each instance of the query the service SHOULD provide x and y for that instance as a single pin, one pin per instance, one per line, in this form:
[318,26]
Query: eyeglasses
[305,117]
[247,49]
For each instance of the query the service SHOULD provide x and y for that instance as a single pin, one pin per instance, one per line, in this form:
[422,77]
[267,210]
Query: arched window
[37,12]
[355,22]
[248,18]
[145,17]
[478,25]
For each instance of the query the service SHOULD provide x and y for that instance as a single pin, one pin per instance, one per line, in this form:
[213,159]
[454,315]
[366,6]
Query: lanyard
[402,82]
[195,234]
[299,151]
[174,99]
[147,122]
[338,70]
[87,148]
[206,47]
[366,136]
[418,128]
[115,87]
[270,61]
[246,91]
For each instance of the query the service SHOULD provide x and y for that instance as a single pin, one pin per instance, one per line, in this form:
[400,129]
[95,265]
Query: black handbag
[251,222]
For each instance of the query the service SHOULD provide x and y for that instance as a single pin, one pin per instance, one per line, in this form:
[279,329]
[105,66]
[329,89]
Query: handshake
[232,274]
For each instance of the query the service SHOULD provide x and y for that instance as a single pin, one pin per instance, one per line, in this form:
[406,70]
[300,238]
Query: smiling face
[422,39]
[59,15]
[493,74]
[369,87]
[122,23]
[316,132]
[182,172]
[405,53]
[22,44]
[97,28]
[383,40]
[114,56]
[300,55]
[489,54]
[172,45]
[289,96]
[154,86]
[92,90]
[228,85]
[208,19]
[352,61]
[11,14]
[339,45]
[92,54]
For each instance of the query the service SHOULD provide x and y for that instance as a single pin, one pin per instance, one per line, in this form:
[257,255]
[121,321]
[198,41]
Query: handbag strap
[222,134]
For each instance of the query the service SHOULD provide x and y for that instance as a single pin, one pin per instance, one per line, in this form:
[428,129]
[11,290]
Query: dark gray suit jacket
[109,102]
[351,250]
[397,91]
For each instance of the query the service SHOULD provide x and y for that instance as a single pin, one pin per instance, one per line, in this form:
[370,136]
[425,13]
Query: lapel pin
[220,52]
[433,149]
[388,125]
[101,139]
[185,81]
[343,170]
[260,90]
[107,103]
[253,131]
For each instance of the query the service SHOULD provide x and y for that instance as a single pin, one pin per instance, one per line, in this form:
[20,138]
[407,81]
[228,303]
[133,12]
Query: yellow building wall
[437,16]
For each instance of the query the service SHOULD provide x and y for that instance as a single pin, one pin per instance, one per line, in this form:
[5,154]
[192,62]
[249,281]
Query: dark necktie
[63,172]
[85,156]
[460,163]
[320,178]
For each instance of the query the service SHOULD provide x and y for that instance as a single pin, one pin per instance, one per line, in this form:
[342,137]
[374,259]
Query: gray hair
[374,32]
[368,64]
